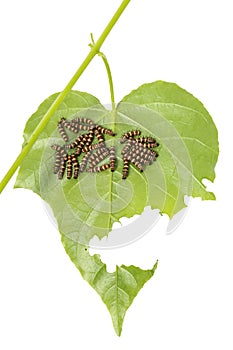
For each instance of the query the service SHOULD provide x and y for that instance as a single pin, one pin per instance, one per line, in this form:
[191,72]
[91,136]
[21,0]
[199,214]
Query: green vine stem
[104,58]
[95,49]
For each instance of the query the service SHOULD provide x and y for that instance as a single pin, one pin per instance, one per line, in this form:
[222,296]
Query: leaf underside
[89,206]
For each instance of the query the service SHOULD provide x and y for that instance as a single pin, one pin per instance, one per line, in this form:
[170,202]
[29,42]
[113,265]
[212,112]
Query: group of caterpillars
[137,150]
[82,144]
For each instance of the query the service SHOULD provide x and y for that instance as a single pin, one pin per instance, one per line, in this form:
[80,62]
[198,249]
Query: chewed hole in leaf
[209,185]
[123,233]
[140,252]
[130,230]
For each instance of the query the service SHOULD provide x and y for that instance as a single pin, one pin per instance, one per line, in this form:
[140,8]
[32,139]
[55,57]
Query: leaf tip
[118,330]
[155,266]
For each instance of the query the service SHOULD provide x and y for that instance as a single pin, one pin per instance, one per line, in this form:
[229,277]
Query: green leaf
[117,289]
[89,206]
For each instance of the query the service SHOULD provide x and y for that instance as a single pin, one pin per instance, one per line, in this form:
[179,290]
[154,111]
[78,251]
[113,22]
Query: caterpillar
[99,168]
[62,168]
[75,166]
[130,134]
[72,126]
[60,160]
[146,140]
[99,136]
[125,168]
[84,161]
[92,147]
[83,121]
[61,129]
[84,127]
[69,167]
[57,165]
[78,124]
[149,144]
[112,158]
[59,149]
[103,130]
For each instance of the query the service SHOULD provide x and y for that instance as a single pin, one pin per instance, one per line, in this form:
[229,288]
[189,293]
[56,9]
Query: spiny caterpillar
[62,168]
[99,136]
[99,168]
[104,130]
[61,129]
[69,167]
[125,168]
[112,158]
[84,161]
[75,166]
[130,134]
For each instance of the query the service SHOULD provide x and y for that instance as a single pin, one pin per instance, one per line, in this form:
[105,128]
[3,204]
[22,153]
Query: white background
[44,303]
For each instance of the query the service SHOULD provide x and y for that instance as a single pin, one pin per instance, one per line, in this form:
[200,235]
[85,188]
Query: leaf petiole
[94,51]
[109,79]
[109,73]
